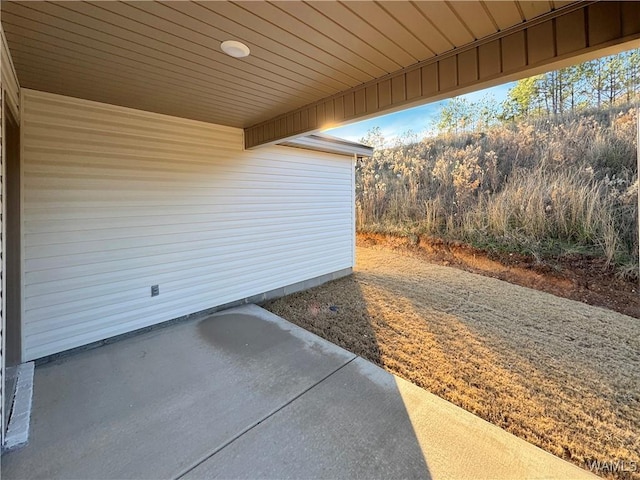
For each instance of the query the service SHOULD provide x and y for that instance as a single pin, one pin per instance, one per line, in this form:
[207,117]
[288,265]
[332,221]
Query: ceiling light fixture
[235,49]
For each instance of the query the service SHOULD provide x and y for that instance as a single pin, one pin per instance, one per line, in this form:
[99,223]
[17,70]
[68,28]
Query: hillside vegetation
[552,171]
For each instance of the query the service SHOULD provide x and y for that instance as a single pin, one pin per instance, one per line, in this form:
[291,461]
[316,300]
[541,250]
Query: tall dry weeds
[544,187]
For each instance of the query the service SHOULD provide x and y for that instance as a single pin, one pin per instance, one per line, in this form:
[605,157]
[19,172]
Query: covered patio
[246,394]
[152,174]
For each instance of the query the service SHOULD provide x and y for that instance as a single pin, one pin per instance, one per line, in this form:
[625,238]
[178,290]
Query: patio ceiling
[165,56]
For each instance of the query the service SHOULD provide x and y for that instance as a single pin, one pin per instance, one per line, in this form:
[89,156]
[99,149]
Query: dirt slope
[559,373]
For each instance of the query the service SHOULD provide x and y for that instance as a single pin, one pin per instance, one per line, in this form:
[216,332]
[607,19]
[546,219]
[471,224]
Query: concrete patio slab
[363,422]
[245,394]
[153,405]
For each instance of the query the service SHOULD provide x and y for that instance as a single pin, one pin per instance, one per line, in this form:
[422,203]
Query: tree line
[596,84]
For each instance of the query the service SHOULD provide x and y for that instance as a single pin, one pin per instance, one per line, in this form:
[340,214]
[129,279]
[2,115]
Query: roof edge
[329,144]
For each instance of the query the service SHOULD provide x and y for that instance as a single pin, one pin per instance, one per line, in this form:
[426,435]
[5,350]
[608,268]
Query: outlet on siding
[155,290]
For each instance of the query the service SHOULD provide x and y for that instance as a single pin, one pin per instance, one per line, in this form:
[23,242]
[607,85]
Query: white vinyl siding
[117,200]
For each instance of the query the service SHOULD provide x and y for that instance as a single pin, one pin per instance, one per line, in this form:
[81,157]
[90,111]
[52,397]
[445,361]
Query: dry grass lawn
[558,373]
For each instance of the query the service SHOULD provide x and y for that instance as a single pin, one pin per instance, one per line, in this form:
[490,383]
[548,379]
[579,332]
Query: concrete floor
[245,394]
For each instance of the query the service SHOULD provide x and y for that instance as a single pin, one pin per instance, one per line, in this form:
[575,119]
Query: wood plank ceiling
[165,56]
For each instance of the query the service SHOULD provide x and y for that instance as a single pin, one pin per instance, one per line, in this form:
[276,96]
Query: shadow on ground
[336,311]
[549,370]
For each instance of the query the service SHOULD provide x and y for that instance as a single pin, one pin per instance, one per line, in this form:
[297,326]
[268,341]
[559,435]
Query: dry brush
[545,187]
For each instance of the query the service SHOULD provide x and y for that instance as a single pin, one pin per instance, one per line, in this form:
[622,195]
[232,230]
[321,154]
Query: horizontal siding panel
[75,225]
[148,243]
[268,193]
[116,286]
[86,133]
[163,159]
[96,117]
[221,184]
[180,265]
[117,200]
[221,180]
[54,215]
[134,297]
[271,235]
[111,141]
[137,255]
[236,228]
[78,170]
[94,197]
[77,276]
[58,340]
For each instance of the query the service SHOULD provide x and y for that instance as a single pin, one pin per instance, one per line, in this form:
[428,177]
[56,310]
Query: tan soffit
[165,56]
[574,33]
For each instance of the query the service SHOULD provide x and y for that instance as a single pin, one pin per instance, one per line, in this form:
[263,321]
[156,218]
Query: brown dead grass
[558,373]
[577,277]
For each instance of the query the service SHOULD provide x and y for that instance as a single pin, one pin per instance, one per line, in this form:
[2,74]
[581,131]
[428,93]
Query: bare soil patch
[560,374]
[578,277]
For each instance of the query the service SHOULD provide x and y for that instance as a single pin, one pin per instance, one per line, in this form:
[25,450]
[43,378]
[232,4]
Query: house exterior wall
[2,320]
[9,96]
[117,200]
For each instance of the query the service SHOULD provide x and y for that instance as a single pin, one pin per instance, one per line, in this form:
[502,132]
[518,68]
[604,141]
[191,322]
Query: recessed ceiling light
[235,49]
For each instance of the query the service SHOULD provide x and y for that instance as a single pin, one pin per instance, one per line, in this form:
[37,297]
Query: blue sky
[419,119]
